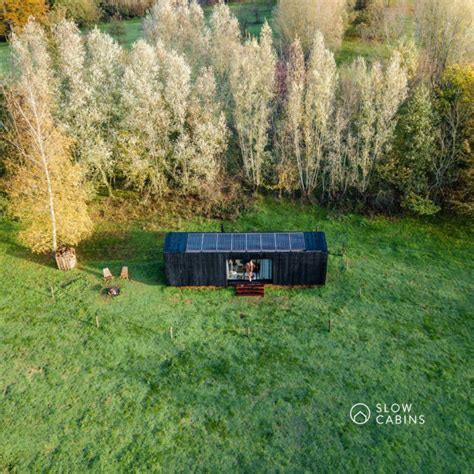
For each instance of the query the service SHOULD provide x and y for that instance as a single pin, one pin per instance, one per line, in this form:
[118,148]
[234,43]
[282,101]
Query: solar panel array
[254,242]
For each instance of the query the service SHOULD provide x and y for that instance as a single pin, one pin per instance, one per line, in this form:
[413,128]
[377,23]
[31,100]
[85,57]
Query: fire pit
[113,291]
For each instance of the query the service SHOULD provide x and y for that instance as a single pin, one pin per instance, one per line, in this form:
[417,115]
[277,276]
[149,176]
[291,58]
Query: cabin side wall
[208,269]
[195,269]
[305,268]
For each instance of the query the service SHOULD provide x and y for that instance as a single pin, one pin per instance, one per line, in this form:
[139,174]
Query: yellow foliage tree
[45,186]
[15,13]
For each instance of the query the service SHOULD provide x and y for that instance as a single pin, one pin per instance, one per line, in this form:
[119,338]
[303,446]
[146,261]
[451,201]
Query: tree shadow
[148,273]
[16,250]
[139,250]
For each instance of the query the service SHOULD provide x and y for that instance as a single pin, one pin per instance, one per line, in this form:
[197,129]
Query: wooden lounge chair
[124,273]
[107,274]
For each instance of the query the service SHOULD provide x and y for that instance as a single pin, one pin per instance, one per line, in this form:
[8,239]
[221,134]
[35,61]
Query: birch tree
[445,29]
[252,86]
[45,186]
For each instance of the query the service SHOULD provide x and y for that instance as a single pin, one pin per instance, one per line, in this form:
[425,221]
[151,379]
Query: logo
[395,414]
[360,414]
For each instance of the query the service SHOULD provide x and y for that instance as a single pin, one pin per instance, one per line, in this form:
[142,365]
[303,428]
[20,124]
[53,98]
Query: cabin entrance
[236,269]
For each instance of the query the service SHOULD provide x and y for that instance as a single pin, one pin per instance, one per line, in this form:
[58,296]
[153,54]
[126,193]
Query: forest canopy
[197,109]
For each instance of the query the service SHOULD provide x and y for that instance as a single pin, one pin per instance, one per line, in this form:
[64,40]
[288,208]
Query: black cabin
[219,259]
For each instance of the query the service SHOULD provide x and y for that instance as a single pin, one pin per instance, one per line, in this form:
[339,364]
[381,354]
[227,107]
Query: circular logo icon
[360,414]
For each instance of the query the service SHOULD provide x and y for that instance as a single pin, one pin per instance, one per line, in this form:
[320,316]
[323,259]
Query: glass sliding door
[237,269]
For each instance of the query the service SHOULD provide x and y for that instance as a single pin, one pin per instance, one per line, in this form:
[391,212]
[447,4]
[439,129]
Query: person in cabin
[249,269]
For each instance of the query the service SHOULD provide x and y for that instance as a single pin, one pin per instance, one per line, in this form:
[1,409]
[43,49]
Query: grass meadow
[239,385]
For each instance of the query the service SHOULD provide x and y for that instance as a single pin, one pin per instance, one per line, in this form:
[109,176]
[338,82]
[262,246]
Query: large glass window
[239,269]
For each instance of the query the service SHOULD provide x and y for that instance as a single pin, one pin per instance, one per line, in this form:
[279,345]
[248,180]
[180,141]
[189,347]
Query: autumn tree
[15,13]
[45,185]
[145,146]
[83,12]
[454,160]
[290,136]
[383,19]
[302,18]
[252,86]
[444,29]
[201,151]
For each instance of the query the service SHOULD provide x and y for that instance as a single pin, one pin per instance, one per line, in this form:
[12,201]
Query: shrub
[83,12]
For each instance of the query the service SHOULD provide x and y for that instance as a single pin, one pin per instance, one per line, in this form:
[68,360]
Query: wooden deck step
[250,289]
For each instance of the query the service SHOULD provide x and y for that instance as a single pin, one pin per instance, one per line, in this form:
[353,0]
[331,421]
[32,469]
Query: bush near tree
[15,13]
[83,12]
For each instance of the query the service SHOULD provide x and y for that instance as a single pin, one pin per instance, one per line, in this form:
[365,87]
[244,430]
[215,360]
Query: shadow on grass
[16,250]
[139,250]
[148,273]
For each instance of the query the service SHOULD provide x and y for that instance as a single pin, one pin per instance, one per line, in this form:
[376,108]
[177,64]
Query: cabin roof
[244,242]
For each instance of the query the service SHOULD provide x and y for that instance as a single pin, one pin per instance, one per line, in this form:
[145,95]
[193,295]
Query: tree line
[195,108]
[14,14]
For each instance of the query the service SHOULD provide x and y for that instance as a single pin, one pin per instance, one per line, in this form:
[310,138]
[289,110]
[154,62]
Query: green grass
[133,31]
[244,385]
[252,14]
[4,58]
[352,48]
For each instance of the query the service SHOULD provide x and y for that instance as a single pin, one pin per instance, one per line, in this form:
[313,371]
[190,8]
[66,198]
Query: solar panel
[209,242]
[282,241]
[268,241]
[251,242]
[254,242]
[194,243]
[239,242]
[224,242]
[297,241]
